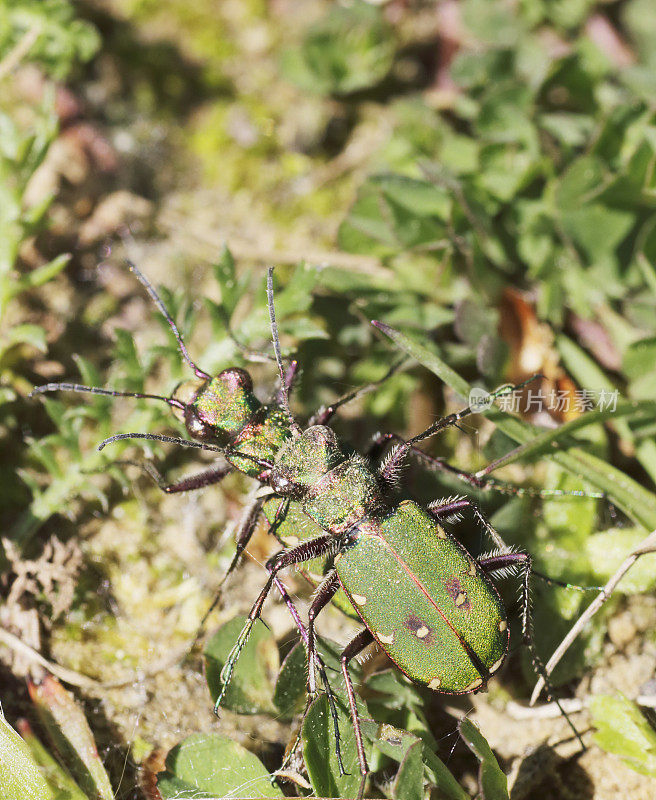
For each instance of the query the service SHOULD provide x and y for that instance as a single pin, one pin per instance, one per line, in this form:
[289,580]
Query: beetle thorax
[304,461]
[336,490]
[345,496]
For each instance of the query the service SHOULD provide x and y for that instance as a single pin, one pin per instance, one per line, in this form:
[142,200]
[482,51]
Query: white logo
[479,399]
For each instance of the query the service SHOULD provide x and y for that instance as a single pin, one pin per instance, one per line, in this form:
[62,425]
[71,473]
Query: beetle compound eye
[198,428]
[236,378]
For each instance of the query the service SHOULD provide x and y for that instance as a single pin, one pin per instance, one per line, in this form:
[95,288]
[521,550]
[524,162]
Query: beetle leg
[439,510]
[355,646]
[198,480]
[325,413]
[323,596]
[243,538]
[524,562]
[307,638]
[321,545]
[478,480]
[392,464]
[379,442]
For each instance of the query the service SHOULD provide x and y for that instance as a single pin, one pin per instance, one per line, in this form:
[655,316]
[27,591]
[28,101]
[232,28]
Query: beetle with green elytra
[428,604]
[450,631]
[223,411]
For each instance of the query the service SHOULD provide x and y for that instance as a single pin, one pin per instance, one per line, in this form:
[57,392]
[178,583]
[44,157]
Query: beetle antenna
[158,437]
[78,387]
[453,419]
[284,393]
[167,316]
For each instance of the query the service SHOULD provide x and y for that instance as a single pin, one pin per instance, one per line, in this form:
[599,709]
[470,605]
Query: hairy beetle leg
[524,562]
[352,649]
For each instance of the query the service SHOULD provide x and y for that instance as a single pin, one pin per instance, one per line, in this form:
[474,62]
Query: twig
[572,705]
[648,545]
[646,700]
[70,676]
[519,711]
[20,50]
[67,675]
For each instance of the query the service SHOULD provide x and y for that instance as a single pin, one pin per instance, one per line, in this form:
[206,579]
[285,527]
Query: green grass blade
[628,495]
[20,777]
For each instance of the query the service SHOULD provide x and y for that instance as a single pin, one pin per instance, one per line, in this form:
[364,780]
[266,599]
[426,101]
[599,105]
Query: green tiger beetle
[428,604]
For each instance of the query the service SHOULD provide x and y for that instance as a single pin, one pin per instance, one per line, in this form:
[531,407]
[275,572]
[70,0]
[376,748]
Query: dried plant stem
[71,677]
[20,50]
[648,545]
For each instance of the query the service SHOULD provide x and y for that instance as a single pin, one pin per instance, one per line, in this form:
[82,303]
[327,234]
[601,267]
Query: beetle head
[217,409]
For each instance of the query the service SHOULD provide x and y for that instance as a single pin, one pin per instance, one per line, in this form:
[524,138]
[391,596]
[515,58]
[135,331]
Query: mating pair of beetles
[422,597]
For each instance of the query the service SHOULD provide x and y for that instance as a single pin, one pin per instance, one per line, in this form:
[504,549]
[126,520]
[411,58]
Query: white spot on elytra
[359,599]
[503,625]
[474,685]
[422,632]
[434,683]
[497,664]
[386,639]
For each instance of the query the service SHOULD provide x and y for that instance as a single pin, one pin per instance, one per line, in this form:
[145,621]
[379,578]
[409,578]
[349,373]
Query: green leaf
[412,230]
[62,40]
[406,749]
[421,198]
[216,766]
[56,776]
[70,734]
[318,738]
[624,731]
[439,775]
[393,213]
[607,549]
[29,334]
[544,440]
[582,180]
[417,762]
[296,295]
[20,777]
[350,49]
[597,229]
[506,169]
[409,781]
[289,694]
[43,274]
[232,286]
[492,781]
[365,229]
[401,746]
[640,358]
[252,685]
[493,23]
